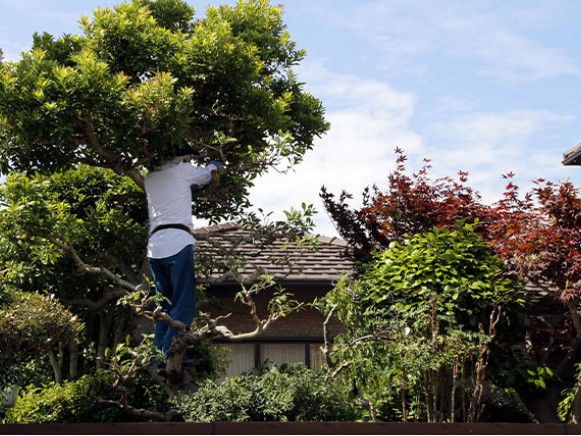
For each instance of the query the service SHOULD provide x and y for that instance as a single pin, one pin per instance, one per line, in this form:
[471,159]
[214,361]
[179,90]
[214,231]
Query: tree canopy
[145,77]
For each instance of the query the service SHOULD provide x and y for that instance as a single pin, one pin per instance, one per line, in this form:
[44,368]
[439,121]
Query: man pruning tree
[170,250]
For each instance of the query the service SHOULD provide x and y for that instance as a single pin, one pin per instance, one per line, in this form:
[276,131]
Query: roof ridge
[332,240]
[233,225]
[218,228]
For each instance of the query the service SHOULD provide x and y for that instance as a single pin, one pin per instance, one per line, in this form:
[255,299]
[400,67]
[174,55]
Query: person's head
[186,152]
[183,154]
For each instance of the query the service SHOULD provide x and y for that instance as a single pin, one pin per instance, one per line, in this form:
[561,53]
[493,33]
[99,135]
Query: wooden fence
[258,428]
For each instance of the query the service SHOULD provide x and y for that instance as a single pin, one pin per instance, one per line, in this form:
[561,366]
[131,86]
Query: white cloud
[504,54]
[368,120]
[488,145]
[504,43]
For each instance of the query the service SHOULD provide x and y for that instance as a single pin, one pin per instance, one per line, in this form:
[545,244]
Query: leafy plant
[75,401]
[422,322]
[269,393]
[33,325]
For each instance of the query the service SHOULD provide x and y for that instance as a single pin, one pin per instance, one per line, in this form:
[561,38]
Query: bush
[426,323]
[33,324]
[288,393]
[74,402]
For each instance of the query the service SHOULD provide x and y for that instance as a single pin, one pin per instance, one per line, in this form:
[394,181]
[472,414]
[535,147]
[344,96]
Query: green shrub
[33,324]
[288,393]
[74,401]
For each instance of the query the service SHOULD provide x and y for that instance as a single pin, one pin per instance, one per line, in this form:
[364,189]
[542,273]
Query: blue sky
[487,87]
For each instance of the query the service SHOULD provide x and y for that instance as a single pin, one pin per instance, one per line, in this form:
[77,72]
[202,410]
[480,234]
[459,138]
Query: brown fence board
[259,428]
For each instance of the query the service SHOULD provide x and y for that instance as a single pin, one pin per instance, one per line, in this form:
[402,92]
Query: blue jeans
[174,280]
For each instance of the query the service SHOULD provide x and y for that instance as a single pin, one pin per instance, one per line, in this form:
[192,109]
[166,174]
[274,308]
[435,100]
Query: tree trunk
[427,381]
[404,407]
[453,394]
[119,328]
[373,411]
[57,368]
[576,412]
[104,326]
[74,359]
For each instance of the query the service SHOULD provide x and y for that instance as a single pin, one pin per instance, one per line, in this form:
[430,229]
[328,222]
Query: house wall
[305,324]
[295,338]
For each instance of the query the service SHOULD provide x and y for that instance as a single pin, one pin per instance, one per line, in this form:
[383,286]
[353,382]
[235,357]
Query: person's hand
[216,163]
[197,187]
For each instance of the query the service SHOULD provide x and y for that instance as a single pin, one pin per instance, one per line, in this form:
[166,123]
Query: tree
[84,117]
[422,323]
[34,324]
[541,240]
[65,235]
[144,77]
[409,205]
[536,233]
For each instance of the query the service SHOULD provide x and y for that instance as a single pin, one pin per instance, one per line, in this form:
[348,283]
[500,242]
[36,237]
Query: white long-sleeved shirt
[169,201]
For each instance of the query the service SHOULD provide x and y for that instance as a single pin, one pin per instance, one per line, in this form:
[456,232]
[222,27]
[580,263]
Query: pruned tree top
[145,76]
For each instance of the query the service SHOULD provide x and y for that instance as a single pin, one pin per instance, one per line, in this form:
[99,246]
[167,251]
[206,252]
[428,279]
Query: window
[282,353]
[317,356]
[242,358]
[245,356]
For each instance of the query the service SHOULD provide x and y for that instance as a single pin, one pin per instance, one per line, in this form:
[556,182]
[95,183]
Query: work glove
[216,163]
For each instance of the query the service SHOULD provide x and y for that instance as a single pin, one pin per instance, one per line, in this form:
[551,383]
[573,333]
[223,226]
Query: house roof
[572,156]
[287,262]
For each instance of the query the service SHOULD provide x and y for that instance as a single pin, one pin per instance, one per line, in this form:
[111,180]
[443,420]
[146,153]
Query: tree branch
[134,411]
[96,305]
[71,252]
[115,161]
[326,348]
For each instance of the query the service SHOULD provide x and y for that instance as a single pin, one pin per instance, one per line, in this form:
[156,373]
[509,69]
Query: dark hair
[185,150]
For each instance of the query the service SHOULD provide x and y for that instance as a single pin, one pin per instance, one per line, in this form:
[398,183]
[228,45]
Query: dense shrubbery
[422,322]
[74,401]
[33,324]
[288,393]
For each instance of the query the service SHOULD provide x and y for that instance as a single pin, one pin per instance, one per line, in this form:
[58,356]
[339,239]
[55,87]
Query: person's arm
[202,177]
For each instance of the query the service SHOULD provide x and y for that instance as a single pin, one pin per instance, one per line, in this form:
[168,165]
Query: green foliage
[75,207]
[288,393]
[34,324]
[74,401]
[454,270]
[144,76]
[424,311]
[565,407]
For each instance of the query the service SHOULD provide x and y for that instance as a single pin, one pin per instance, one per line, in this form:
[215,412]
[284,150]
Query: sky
[483,86]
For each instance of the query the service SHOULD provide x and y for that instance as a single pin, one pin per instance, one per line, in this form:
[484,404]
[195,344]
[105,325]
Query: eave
[572,156]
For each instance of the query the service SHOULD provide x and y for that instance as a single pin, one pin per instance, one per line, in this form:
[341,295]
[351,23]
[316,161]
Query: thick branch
[340,369]
[211,329]
[71,252]
[96,305]
[134,411]
[115,161]
[326,348]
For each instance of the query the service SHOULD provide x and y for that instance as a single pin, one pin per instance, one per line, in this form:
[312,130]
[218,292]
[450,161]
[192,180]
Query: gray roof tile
[286,262]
